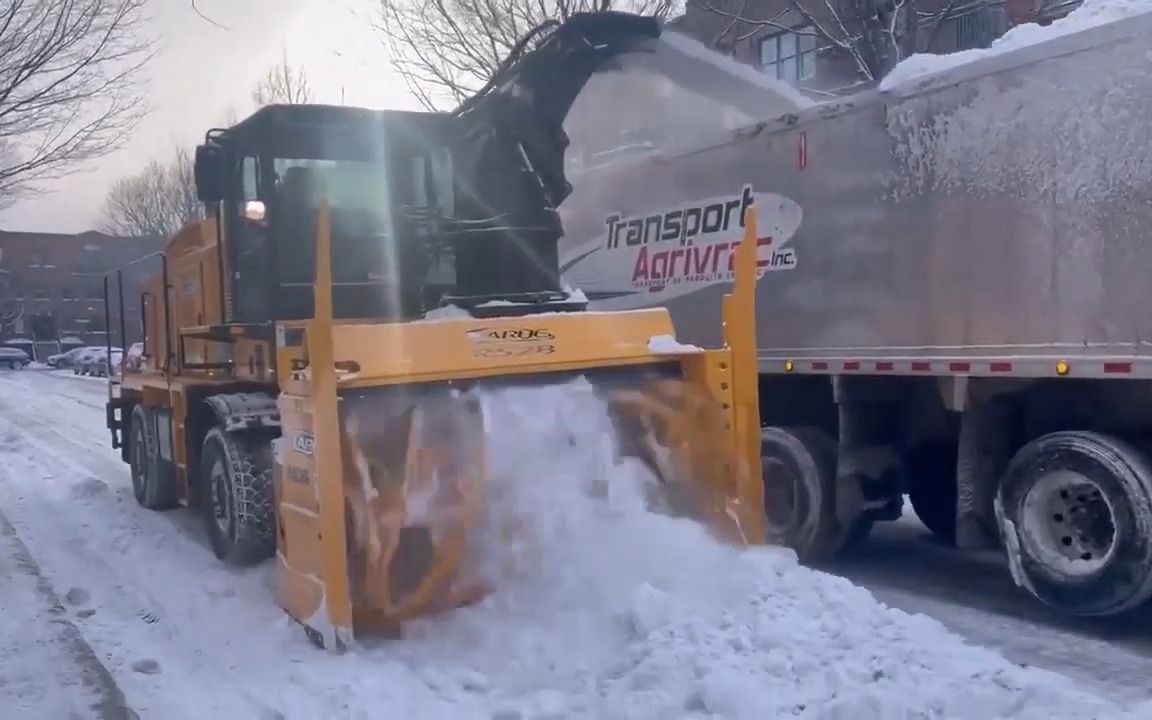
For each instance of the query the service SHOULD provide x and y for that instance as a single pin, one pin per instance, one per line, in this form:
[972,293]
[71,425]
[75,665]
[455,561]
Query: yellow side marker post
[740,337]
[326,448]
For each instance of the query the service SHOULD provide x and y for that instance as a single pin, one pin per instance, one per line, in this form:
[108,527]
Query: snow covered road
[107,607]
[973,595]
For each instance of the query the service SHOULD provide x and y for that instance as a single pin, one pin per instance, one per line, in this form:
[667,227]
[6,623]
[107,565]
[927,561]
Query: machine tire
[932,486]
[799,475]
[148,488]
[237,482]
[1052,487]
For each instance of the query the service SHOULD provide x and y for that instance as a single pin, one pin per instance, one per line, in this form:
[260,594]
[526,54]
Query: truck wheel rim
[1069,523]
[220,499]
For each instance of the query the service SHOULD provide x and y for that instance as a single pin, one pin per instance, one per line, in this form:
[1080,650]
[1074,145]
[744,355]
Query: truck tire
[237,496]
[150,489]
[1075,511]
[799,475]
[931,471]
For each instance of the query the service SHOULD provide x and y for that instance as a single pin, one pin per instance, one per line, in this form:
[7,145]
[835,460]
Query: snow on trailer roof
[1023,43]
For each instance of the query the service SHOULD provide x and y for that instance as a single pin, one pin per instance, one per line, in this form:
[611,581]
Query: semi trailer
[953,303]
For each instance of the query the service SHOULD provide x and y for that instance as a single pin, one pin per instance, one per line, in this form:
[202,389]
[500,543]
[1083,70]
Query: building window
[790,56]
[39,258]
[41,294]
[66,293]
[978,29]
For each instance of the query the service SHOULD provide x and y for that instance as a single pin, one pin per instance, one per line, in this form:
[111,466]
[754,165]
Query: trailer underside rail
[1079,366]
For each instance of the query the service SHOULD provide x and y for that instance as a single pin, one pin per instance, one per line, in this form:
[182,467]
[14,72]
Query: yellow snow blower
[310,347]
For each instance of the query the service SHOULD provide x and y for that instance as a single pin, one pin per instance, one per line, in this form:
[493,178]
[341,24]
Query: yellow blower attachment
[381,474]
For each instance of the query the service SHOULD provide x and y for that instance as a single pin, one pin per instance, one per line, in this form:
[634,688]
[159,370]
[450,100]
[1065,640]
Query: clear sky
[203,70]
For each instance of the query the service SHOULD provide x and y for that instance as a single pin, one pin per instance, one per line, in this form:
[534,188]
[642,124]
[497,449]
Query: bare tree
[69,87]
[875,34]
[159,200]
[447,49]
[283,84]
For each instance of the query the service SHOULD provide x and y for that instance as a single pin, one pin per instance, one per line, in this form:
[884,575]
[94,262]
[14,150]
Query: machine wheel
[237,497]
[931,471]
[799,474]
[1075,509]
[150,490]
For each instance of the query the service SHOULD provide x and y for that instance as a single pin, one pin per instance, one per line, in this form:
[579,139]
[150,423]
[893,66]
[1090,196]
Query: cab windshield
[357,195]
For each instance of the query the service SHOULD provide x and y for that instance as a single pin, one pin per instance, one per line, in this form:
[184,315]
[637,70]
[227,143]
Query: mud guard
[245,411]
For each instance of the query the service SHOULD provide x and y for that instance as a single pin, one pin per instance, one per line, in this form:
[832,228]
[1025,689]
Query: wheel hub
[1069,522]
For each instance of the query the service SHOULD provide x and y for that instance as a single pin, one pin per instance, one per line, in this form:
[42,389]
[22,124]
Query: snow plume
[606,609]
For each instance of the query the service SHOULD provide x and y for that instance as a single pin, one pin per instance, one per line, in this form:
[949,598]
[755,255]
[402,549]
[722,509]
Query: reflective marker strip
[1082,367]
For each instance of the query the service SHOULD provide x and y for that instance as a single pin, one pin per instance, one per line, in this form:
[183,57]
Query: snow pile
[669,344]
[606,609]
[1091,13]
[455,312]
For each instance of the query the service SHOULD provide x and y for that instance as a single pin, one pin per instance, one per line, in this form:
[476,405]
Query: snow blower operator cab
[317,348]
[386,181]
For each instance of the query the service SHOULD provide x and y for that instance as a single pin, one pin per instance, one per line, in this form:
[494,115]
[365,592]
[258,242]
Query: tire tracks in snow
[109,702]
[85,530]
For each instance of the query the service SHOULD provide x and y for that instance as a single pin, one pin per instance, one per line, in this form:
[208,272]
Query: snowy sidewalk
[47,669]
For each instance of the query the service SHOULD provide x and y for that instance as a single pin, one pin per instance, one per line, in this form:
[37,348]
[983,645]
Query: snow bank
[606,609]
[1090,14]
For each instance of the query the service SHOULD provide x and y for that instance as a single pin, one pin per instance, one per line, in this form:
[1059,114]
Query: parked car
[25,345]
[85,362]
[134,358]
[66,359]
[100,365]
[14,358]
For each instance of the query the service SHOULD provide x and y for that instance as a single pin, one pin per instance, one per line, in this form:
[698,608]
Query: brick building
[776,37]
[51,285]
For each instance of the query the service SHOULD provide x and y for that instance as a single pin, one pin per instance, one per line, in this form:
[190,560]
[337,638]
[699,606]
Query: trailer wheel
[150,489]
[1075,510]
[237,497]
[931,471]
[799,475]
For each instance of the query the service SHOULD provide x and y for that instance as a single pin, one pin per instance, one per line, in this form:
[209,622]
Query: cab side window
[250,250]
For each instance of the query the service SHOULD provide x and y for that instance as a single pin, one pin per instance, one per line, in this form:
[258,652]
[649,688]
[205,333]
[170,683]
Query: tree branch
[445,50]
[69,88]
